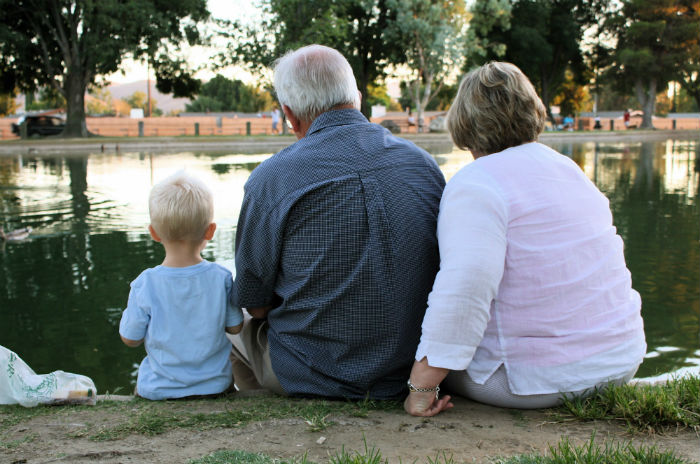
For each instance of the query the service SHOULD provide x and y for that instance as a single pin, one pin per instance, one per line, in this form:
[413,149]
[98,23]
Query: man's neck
[304,126]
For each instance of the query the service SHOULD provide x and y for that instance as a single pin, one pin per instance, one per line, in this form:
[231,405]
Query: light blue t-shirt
[182,314]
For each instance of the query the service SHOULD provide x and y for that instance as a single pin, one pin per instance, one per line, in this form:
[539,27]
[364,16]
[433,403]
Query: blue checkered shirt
[337,233]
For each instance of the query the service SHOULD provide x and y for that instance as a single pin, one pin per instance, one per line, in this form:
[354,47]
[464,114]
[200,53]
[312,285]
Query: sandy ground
[470,432]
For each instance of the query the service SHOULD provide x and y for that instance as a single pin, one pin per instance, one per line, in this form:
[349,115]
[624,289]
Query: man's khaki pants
[250,357]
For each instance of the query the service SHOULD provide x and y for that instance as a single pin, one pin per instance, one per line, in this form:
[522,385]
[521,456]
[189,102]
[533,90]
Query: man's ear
[154,234]
[293,120]
[209,233]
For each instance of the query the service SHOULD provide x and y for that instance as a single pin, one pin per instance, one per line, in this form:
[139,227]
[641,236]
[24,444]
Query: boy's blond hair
[181,208]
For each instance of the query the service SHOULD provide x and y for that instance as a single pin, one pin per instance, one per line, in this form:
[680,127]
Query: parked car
[40,125]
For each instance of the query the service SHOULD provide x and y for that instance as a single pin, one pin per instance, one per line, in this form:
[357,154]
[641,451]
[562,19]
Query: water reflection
[62,291]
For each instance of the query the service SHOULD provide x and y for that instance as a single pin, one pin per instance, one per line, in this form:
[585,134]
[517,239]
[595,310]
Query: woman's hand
[426,404]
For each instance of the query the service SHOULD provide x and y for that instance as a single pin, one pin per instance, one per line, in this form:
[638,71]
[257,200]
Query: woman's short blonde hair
[496,108]
[181,208]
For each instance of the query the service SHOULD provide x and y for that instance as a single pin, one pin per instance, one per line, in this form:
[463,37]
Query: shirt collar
[336,118]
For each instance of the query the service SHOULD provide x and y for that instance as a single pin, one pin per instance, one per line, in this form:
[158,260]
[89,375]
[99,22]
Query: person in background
[533,300]
[182,309]
[275,120]
[335,246]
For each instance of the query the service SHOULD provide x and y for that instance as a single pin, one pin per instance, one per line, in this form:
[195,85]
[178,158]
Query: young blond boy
[182,308]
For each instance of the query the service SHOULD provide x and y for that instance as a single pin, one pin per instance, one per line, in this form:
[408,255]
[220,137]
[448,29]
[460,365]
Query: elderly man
[335,248]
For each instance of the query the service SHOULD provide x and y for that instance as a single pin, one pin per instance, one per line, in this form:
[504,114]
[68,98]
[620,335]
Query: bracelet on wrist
[413,388]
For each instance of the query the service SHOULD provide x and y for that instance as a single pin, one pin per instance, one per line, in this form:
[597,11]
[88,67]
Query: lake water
[63,290]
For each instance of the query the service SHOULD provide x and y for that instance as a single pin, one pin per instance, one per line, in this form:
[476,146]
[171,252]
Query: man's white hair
[314,79]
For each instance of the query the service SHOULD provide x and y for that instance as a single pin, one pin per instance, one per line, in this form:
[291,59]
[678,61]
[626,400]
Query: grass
[12,414]
[591,453]
[563,453]
[144,417]
[10,444]
[242,457]
[652,409]
[649,408]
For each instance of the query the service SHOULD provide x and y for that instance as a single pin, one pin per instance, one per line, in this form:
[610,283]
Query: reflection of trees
[59,294]
[645,167]
[77,168]
[58,302]
[221,168]
[661,246]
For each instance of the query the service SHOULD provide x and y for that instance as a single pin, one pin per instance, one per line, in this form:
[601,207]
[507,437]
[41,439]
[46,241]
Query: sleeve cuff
[453,357]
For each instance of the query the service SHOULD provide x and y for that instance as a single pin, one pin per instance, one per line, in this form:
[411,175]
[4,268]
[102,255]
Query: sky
[243,10]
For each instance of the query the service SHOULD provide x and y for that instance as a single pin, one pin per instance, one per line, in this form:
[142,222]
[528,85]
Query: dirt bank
[470,432]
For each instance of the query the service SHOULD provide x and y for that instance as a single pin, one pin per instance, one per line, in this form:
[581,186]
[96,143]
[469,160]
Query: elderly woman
[533,300]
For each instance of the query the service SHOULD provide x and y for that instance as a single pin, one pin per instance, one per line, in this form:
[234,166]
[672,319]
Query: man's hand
[260,312]
[424,404]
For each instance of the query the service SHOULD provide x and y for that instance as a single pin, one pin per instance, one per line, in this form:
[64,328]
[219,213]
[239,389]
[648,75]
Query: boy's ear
[209,233]
[153,233]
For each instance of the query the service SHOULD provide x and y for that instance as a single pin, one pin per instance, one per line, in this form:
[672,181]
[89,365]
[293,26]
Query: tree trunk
[419,106]
[647,98]
[545,97]
[75,101]
[364,105]
[425,101]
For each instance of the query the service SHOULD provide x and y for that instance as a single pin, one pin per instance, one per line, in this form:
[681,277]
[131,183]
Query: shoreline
[438,143]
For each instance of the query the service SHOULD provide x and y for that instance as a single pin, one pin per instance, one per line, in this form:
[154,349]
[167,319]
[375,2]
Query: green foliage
[100,102]
[432,34]
[68,44]
[139,99]
[443,98]
[8,104]
[590,453]
[377,95]
[484,41]
[657,42]
[356,28]
[542,37]
[49,99]
[654,408]
[223,94]
[571,96]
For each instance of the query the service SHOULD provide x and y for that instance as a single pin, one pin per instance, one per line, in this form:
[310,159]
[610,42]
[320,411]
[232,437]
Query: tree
[483,40]
[542,37]
[431,32]
[49,99]
[654,46]
[377,95]
[223,94]
[356,28]
[8,105]
[571,96]
[68,44]
[139,100]
[689,69]
[100,102]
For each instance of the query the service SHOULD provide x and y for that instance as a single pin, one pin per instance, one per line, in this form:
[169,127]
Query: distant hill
[165,102]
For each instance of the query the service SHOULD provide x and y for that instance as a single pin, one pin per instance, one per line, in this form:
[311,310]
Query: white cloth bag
[20,385]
